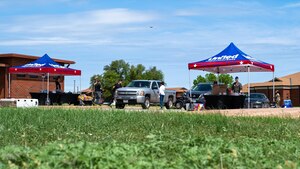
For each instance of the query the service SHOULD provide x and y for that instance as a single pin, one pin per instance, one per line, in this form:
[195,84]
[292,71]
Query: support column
[273,87]
[8,85]
[74,87]
[48,100]
[80,84]
[218,74]
[248,87]
[190,83]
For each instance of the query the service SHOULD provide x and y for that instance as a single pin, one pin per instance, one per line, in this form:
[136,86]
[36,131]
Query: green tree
[119,69]
[226,79]
[210,78]
[153,74]
[199,79]
[136,72]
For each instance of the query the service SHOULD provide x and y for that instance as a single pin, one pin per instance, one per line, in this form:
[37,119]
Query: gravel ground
[264,112]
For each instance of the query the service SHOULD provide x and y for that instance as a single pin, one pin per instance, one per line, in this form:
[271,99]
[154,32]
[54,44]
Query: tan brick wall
[286,95]
[295,97]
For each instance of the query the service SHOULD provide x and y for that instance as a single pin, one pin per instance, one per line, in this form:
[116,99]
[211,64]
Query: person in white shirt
[162,89]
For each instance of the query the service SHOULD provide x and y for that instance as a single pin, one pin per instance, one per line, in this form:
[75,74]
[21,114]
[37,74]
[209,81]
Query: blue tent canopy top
[44,65]
[231,60]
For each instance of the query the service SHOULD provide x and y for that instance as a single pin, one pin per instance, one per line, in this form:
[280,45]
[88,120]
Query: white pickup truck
[144,92]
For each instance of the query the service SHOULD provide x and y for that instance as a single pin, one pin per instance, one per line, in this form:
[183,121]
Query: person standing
[237,86]
[162,89]
[97,91]
[58,91]
[57,84]
[215,88]
[114,89]
[277,98]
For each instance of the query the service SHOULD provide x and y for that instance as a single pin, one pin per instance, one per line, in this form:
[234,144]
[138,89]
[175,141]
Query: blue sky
[167,34]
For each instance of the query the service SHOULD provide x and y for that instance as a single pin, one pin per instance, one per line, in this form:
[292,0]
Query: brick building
[23,84]
[288,87]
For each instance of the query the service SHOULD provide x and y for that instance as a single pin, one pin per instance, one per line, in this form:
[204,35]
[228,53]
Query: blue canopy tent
[43,65]
[233,60]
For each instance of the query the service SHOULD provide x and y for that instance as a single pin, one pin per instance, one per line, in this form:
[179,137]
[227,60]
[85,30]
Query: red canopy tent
[233,60]
[43,65]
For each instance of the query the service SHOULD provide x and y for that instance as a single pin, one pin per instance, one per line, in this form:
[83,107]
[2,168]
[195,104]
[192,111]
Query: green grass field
[90,138]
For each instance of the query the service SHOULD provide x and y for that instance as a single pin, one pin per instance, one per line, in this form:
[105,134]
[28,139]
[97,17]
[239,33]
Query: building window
[21,75]
[33,76]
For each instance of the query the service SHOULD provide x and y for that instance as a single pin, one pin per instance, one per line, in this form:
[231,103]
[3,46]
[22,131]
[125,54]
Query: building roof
[288,80]
[15,55]
[88,90]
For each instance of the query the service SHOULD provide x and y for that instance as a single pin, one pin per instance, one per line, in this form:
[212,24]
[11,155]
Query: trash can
[287,104]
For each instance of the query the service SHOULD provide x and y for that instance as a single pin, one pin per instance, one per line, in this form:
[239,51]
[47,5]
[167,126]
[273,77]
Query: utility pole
[74,86]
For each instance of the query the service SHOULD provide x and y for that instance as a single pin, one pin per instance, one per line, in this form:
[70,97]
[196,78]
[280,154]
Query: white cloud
[130,28]
[83,21]
[97,27]
[49,41]
[273,41]
[30,3]
[220,12]
[187,12]
[232,9]
[292,5]
[113,16]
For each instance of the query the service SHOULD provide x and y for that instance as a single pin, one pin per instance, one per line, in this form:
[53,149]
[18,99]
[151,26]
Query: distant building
[288,87]
[87,90]
[23,84]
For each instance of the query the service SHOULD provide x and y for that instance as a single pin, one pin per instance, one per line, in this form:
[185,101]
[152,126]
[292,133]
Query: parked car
[143,92]
[198,92]
[257,100]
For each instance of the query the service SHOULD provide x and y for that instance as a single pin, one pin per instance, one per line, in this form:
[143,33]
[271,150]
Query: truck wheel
[169,103]
[179,105]
[120,106]
[146,104]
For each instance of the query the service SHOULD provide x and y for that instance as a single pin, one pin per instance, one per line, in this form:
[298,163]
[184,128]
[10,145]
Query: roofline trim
[15,55]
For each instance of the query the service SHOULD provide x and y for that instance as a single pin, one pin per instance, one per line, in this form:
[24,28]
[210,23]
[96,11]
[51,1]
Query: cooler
[287,104]
[19,102]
